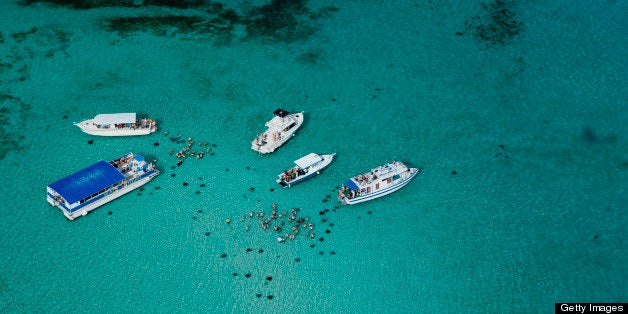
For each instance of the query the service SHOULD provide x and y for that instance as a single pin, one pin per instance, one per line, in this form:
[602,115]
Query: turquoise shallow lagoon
[516,110]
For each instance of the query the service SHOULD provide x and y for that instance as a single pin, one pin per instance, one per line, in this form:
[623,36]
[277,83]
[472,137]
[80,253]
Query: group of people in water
[287,229]
[189,151]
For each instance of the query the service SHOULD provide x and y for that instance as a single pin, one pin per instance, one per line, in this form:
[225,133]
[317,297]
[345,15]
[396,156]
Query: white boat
[280,129]
[306,167]
[117,124]
[98,184]
[378,182]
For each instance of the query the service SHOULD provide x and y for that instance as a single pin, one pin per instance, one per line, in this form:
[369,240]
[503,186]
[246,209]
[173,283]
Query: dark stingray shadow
[589,136]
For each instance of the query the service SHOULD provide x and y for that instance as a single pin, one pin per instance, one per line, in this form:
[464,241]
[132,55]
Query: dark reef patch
[279,21]
[92,4]
[20,37]
[48,40]
[24,46]
[181,4]
[284,21]
[497,25]
[171,25]
[14,115]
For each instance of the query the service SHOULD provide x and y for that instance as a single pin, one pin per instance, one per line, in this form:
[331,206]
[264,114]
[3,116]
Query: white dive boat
[117,124]
[376,183]
[280,129]
[306,167]
[98,184]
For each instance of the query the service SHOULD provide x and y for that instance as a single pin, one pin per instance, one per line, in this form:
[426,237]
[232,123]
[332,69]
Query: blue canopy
[352,185]
[88,181]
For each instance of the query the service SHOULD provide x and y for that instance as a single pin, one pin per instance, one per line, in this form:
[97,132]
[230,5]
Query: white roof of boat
[308,160]
[278,122]
[113,118]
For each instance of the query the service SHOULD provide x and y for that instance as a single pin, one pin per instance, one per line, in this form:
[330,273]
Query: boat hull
[71,215]
[350,201]
[299,180]
[89,128]
[314,171]
[269,146]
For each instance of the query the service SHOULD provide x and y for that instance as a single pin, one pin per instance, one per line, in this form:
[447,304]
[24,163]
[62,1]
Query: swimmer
[228,220]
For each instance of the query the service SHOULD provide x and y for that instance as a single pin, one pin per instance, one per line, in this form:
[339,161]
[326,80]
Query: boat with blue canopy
[376,183]
[98,184]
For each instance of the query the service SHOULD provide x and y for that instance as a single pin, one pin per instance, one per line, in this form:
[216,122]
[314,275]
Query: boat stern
[342,198]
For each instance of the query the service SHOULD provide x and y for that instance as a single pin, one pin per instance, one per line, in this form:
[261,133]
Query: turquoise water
[520,127]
